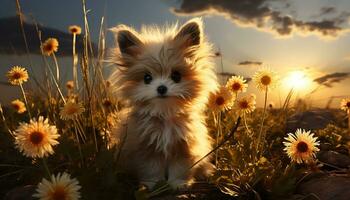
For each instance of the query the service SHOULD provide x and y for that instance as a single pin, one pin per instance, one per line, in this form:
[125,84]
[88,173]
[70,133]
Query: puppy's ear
[128,40]
[190,34]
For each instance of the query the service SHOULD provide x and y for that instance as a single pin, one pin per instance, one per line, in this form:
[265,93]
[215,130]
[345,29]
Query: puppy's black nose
[162,90]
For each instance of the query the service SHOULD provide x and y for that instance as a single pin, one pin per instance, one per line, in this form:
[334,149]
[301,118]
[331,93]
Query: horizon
[245,42]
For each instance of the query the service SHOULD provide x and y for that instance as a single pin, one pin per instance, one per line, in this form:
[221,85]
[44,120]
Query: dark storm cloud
[11,39]
[228,75]
[328,10]
[259,14]
[247,62]
[328,79]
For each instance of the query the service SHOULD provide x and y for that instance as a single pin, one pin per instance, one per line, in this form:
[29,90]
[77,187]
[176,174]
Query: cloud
[247,62]
[261,15]
[11,39]
[228,75]
[328,79]
[328,10]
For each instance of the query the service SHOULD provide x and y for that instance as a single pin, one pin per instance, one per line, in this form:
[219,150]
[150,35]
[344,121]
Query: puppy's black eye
[147,78]
[176,76]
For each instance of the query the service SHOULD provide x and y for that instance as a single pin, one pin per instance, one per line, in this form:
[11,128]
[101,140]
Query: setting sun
[297,80]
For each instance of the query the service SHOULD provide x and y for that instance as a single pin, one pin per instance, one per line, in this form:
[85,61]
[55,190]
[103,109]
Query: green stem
[46,167]
[222,69]
[57,67]
[262,122]
[4,122]
[25,100]
[245,122]
[56,84]
[160,190]
[79,147]
[75,61]
[218,136]
[286,102]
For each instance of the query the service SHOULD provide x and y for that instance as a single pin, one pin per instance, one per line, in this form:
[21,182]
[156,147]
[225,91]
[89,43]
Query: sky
[287,35]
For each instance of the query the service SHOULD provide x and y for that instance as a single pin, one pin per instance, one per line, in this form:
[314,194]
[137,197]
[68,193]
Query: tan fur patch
[165,133]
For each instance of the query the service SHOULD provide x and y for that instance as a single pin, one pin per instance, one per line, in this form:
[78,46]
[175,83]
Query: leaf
[286,184]
[161,187]
[232,191]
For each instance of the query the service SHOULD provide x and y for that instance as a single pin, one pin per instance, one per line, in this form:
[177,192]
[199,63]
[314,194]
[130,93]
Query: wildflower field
[56,136]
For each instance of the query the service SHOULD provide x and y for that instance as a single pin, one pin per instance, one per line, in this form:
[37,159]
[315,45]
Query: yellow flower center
[302,147]
[71,110]
[16,106]
[236,86]
[36,137]
[16,75]
[70,85]
[220,101]
[59,194]
[74,30]
[48,47]
[348,104]
[265,80]
[244,104]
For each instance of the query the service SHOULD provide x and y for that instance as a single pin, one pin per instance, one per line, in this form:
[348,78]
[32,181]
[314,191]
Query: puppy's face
[150,82]
[162,73]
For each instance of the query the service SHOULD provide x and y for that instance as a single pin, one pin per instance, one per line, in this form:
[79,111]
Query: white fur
[163,137]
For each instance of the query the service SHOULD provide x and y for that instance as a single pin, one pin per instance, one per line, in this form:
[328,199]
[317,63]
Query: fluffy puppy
[165,75]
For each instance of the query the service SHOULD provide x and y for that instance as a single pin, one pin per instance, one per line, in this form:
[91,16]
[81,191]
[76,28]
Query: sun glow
[297,80]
